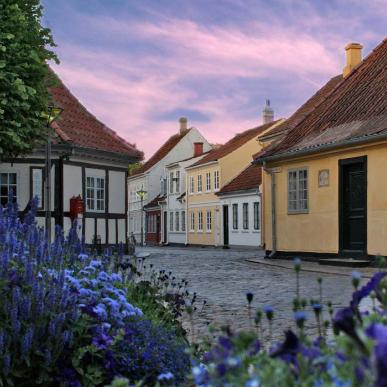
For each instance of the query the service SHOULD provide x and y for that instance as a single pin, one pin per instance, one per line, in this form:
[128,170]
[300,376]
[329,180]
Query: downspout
[273,211]
[186,209]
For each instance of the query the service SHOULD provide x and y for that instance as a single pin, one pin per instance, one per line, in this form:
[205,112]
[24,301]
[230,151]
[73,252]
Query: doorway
[353,207]
[225,226]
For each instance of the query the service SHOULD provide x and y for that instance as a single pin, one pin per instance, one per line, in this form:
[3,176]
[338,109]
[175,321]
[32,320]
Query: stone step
[345,262]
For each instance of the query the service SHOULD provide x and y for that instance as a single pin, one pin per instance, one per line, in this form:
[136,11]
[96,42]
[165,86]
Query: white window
[216,180]
[8,183]
[245,216]
[163,188]
[177,221]
[152,223]
[183,221]
[209,220]
[235,216]
[208,181]
[192,223]
[95,194]
[191,184]
[177,179]
[171,182]
[200,187]
[298,190]
[257,216]
[200,221]
[171,221]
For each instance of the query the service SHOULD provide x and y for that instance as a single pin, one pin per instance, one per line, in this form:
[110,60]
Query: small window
[171,221]
[208,182]
[192,222]
[171,180]
[95,194]
[177,221]
[200,221]
[298,191]
[235,216]
[183,221]
[257,216]
[8,184]
[191,184]
[177,179]
[245,216]
[216,180]
[200,187]
[209,220]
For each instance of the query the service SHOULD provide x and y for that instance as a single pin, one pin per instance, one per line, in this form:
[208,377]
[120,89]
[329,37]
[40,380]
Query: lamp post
[142,193]
[53,113]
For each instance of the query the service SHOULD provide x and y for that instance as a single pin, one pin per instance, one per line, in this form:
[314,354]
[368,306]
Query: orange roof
[161,152]
[250,178]
[78,126]
[354,109]
[236,142]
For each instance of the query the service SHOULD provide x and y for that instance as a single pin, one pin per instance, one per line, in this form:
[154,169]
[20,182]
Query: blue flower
[253,383]
[165,376]
[366,290]
[378,332]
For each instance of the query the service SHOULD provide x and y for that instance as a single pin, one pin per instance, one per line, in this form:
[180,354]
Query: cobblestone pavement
[222,277]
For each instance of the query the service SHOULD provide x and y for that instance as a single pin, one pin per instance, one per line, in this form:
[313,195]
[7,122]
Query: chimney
[267,113]
[183,124]
[353,53]
[198,149]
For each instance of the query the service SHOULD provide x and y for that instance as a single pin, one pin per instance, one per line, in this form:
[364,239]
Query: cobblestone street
[222,277]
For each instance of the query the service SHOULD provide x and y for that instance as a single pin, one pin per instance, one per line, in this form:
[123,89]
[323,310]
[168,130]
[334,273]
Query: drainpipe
[273,211]
[186,208]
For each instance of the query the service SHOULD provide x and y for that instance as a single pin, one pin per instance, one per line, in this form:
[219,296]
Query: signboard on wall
[323,178]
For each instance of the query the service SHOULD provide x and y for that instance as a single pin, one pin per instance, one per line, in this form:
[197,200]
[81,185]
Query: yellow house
[206,177]
[325,179]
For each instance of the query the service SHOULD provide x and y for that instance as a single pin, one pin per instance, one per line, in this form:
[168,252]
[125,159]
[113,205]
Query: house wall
[68,180]
[240,236]
[318,230]
[151,179]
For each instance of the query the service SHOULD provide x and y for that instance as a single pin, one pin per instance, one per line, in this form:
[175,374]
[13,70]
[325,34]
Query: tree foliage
[25,48]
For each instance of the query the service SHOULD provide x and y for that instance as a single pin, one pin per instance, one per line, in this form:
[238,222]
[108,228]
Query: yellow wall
[203,237]
[318,230]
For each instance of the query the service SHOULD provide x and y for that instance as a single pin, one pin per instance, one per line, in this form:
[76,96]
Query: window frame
[171,175]
[95,190]
[297,191]
[257,216]
[235,209]
[200,183]
[191,184]
[245,216]
[200,221]
[192,222]
[177,187]
[183,225]
[216,180]
[209,221]
[171,221]
[8,185]
[177,221]
[208,182]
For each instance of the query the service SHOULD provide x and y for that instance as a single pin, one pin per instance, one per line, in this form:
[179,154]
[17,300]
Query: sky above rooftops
[140,65]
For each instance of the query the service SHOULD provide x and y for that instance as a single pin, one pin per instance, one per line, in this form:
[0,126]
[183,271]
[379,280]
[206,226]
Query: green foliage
[24,53]
[132,168]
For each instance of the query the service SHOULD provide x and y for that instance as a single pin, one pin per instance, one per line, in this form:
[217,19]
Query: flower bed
[66,317]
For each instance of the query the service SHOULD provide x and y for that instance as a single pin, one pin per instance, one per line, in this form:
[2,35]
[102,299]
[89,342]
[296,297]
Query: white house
[151,179]
[175,204]
[241,201]
[88,160]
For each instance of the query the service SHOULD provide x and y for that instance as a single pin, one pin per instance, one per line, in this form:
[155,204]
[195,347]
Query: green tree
[25,49]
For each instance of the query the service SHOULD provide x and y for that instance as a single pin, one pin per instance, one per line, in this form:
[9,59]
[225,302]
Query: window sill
[200,231]
[245,231]
[235,231]
[209,232]
[298,212]
[256,232]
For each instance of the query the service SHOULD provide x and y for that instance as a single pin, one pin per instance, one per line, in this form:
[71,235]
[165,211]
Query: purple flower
[102,341]
[269,311]
[165,376]
[378,332]
[290,346]
[365,291]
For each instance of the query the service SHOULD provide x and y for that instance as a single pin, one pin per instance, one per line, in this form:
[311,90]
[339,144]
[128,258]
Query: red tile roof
[250,178]
[155,202]
[161,152]
[236,142]
[79,127]
[354,109]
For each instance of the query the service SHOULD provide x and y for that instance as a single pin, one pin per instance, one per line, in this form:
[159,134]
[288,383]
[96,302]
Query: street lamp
[142,193]
[52,114]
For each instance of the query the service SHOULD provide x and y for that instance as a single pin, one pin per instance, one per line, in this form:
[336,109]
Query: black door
[225,226]
[353,206]
[165,238]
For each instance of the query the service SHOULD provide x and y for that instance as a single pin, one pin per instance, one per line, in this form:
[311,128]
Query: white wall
[72,184]
[243,237]
[117,184]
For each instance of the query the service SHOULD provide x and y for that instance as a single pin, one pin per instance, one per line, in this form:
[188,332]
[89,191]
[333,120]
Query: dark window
[235,216]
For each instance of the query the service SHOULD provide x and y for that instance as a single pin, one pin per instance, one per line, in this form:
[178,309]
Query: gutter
[201,165]
[326,147]
[273,211]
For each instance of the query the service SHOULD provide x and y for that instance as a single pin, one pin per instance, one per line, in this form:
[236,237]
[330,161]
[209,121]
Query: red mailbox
[76,206]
